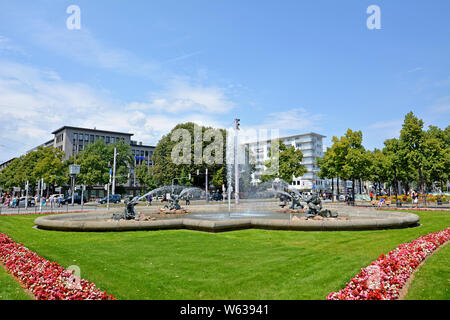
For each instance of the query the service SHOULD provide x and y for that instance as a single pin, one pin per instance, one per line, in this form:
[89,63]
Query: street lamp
[74,170]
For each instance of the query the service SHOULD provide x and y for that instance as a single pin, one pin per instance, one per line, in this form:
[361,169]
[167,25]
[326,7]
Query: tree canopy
[289,163]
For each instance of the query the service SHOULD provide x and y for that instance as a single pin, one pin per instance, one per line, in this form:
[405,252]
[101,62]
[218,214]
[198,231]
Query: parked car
[216,197]
[76,199]
[114,198]
[31,202]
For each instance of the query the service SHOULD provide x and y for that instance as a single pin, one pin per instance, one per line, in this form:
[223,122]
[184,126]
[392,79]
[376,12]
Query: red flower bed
[45,279]
[383,278]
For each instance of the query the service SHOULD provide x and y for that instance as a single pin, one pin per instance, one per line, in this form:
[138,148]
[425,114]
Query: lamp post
[114,173]
[236,162]
[74,169]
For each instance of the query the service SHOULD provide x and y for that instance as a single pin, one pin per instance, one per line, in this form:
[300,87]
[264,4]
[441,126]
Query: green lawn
[10,288]
[247,264]
[432,281]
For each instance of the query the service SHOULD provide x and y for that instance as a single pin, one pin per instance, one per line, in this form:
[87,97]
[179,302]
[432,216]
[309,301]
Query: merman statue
[129,213]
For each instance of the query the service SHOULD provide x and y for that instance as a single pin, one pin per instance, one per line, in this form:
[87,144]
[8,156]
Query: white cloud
[442,105]
[184,97]
[7,47]
[298,119]
[35,102]
[397,124]
[83,47]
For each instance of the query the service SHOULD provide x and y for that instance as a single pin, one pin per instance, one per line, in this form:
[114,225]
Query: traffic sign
[74,169]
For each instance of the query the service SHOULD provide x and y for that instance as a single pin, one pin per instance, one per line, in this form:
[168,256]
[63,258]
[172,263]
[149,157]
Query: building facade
[73,140]
[311,145]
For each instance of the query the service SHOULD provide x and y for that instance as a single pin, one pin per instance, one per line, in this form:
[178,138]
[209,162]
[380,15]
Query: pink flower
[45,279]
[383,278]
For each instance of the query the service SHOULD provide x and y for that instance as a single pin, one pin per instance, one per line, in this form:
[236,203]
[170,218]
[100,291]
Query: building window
[103,138]
[80,137]
[97,137]
[107,139]
[75,136]
[86,137]
[92,138]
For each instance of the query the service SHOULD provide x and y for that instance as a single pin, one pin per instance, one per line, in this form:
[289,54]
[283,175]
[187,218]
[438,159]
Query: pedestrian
[14,202]
[188,202]
[371,196]
[415,198]
[149,200]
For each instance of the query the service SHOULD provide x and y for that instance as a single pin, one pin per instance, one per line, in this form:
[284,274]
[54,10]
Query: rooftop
[90,129]
[288,137]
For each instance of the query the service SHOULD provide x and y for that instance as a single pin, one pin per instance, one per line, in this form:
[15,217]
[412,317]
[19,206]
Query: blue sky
[296,66]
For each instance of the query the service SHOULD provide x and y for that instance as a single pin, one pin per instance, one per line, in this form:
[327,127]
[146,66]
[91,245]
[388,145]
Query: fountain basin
[358,219]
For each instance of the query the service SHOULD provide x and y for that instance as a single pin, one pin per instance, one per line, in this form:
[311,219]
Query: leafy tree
[97,159]
[346,158]
[378,171]
[412,138]
[218,179]
[289,163]
[46,163]
[436,149]
[145,177]
[165,168]
[328,168]
[50,166]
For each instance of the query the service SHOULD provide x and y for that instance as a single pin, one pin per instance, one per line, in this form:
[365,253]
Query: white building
[310,144]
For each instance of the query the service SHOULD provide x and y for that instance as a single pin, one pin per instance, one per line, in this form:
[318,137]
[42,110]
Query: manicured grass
[432,281]
[247,264]
[10,288]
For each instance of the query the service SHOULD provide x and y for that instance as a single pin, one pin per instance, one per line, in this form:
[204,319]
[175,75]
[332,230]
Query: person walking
[149,200]
[415,198]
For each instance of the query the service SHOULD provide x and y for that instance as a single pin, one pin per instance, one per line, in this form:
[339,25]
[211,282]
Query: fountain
[129,213]
[304,213]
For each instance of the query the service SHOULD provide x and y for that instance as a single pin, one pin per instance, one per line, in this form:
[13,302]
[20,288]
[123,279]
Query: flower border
[384,278]
[46,280]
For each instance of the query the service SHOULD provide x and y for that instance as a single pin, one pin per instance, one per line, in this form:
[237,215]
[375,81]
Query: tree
[378,167]
[328,168]
[50,166]
[395,164]
[97,159]
[412,138]
[436,149]
[182,138]
[289,163]
[218,179]
[347,158]
[46,163]
[145,177]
